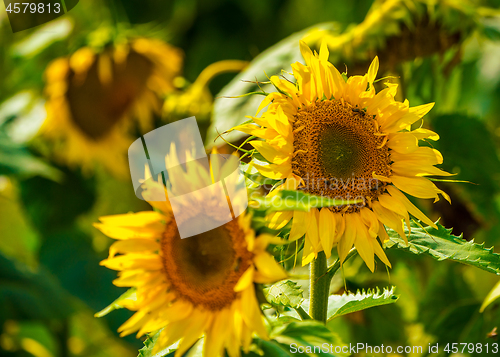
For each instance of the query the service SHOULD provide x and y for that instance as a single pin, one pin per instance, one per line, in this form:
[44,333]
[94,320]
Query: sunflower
[202,285]
[338,138]
[94,96]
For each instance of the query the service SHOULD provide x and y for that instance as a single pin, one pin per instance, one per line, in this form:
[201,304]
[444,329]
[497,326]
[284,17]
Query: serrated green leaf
[289,200]
[339,305]
[441,245]
[118,303]
[310,335]
[285,293]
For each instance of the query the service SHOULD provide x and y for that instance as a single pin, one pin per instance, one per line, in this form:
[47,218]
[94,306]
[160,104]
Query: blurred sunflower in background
[203,285]
[338,138]
[96,95]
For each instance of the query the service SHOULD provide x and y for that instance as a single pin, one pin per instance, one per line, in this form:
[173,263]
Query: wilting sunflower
[198,286]
[95,96]
[339,138]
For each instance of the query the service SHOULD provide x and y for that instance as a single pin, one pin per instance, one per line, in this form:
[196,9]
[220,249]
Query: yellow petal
[370,220]
[135,278]
[412,169]
[133,246]
[306,52]
[312,233]
[134,261]
[183,328]
[139,219]
[326,230]
[422,133]
[323,52]
[423,156]
[379,252]
[339,226]
[308,253]
[268,268]
[393,204]
[372,71]
[129,232]
[414,211]
[278,220]
[414,114]
[346,242]
[382,234]
[403,143]
[300,225]
[275,172]
[363,242]
[245,280]
[133,324]
[220,329]
[418,187]
[390,219]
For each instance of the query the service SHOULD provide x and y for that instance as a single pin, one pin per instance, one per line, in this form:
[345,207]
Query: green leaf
[229,112]
[149,343]
[251,173]
[441,245]
[118,303]
[310,335]
[77,192]
[490,28]
[268,348]
[15,159]
[147,351]
[339,305]
[458,143]
[289,200]
[27,295]
[492,296]
[285,293]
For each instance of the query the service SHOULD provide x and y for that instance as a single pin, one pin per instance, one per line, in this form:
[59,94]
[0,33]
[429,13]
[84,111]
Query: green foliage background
[50,281]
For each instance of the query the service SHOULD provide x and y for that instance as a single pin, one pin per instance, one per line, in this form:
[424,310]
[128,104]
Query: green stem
[319,289]
[302,313]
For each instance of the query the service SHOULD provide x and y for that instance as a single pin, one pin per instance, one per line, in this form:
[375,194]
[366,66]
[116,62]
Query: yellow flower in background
[196,100]
[340,139]
[95,97]
[198,286]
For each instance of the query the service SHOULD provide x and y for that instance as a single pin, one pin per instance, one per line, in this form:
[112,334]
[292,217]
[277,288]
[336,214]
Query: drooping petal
[326,230]
[363,242]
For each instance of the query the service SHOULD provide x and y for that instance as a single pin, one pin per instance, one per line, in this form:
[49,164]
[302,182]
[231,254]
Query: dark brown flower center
[337,150]
[96,107]
[205,268]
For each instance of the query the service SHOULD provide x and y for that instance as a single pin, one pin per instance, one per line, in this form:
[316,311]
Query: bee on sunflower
[203,285]
[336,137]
[96,95]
